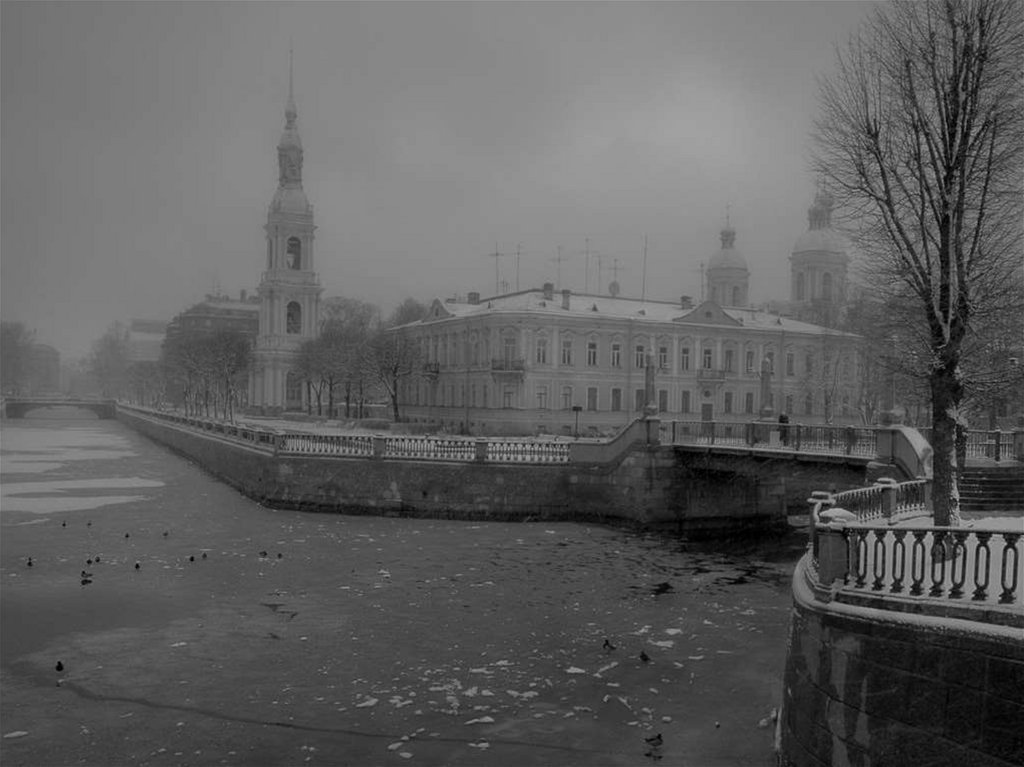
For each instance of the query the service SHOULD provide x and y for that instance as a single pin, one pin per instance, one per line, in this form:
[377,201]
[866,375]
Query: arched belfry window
[293,318]
[800,286]
[826,287]
[294,253]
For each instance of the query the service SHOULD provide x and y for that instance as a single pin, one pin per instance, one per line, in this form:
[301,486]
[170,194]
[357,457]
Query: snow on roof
[583,305]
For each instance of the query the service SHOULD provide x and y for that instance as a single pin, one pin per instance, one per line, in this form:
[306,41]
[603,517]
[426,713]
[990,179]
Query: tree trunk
[946,395]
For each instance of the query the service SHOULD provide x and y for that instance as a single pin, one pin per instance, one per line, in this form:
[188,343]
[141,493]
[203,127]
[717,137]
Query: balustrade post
[888,485]
[379,445]
[481,450]
[998,437]
[796,436]
[833,547]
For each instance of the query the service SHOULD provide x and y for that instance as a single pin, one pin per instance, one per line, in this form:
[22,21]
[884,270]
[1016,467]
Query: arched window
[293,318]
[826,286]
[735,295]
[294,254]
[800,286]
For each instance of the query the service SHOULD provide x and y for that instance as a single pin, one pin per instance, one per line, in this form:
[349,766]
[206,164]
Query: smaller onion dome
[727,257]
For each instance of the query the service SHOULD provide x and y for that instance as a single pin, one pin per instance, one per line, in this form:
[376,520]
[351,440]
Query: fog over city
[138,147]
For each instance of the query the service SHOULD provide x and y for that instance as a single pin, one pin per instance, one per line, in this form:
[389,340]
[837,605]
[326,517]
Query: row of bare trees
[355,358]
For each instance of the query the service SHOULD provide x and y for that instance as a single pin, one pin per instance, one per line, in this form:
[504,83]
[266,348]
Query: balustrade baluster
[878,566]
[938,563]
[981,587]
[859,557]
[1009,587]
[917,558]
[957,579]
[899,560]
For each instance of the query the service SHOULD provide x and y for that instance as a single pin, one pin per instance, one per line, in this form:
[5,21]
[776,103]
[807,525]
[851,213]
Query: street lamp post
[576,409]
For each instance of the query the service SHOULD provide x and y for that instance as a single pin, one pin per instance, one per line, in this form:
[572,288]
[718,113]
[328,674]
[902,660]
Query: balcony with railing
[508,369]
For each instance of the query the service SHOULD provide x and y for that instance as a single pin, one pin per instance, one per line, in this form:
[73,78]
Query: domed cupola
[290,198]
[819,261]
[728,274]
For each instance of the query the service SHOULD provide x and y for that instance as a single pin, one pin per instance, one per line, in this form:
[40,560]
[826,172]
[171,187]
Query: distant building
[819,287]
[728,274]
[145,339]
[289,291]
[521,362]
[215,313]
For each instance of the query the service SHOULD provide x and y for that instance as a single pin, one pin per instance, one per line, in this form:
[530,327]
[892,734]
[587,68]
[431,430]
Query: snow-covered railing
[859,554]
[430,448]
[526,452]
[324,444]
[395,447]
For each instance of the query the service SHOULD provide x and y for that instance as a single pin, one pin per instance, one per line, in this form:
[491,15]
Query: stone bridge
[19,407]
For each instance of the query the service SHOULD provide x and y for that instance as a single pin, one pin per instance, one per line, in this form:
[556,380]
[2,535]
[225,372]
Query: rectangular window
[662,400]
[638,357]
[566,397]
[790,363]
[566,352]
[542,351]
[663,357]
[809,404]
[809,364]
[506,398]
[729,354]
[750,362]
[542,398]
[728,402]
[592,398]
[707,359]
[510,352]
[748,402]
[616,400]
[770,356]
[592,354]
[684,359]
[789,403]
[616,355]
[684,403]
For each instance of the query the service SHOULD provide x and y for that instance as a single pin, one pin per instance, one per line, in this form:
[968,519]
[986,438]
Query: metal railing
[995,445]
[795,437]
[864,551]
[401,447]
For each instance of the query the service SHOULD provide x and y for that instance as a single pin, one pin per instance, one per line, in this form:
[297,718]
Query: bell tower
[289,290]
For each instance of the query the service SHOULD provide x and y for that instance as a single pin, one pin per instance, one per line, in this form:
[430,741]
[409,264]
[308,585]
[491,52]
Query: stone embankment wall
[643,485]
[867,686]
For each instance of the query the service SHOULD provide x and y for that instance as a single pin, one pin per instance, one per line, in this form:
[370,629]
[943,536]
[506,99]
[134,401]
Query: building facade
[289,291]
[540,361]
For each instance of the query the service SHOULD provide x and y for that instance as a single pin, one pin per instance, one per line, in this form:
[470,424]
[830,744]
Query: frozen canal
[253,636]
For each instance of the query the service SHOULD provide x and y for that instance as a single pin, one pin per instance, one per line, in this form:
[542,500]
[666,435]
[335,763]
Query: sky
[138,147]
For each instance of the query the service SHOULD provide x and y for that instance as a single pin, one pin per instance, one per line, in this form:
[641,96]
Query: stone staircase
[992,488]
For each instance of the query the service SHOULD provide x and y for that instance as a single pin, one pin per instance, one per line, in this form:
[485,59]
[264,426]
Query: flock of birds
[653,743]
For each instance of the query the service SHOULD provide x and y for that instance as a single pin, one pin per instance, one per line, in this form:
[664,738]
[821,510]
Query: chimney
[686,302]
[474,298]
[565,297]
[549,291]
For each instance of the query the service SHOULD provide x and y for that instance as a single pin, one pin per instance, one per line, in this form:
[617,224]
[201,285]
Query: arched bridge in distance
[19,407]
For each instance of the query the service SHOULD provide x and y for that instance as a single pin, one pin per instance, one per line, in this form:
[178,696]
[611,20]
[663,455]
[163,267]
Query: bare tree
[15,357]
[395,357]
[108,361]
[919,136]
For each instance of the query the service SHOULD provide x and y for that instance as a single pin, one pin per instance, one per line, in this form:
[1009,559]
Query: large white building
[289,290]
[521,362]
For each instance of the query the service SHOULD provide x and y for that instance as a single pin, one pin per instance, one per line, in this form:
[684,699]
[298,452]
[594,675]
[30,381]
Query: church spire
[290,113]
[289,148]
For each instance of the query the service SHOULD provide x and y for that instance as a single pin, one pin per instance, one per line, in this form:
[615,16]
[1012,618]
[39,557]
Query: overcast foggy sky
[139,146]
